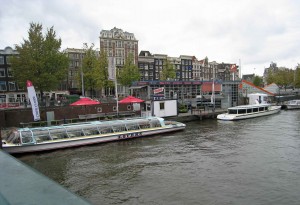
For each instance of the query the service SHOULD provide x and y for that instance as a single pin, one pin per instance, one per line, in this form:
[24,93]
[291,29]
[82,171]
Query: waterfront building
[119,44]
[72,82]
[12,94]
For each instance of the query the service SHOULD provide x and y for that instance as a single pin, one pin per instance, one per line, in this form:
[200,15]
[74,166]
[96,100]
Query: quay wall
[15,117]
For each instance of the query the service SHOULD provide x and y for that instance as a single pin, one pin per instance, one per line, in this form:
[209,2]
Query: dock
[197,114]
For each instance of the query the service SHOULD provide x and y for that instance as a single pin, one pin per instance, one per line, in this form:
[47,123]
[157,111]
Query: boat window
[255,109]
[266,108]
[41,135]
[144,124]
[242,111]
[249,110]
[119,128]
[91,131]
[132,126]
[13,136]
[74,132]
[105,130]
[261,108]
[27,137]
[231,111]
[58,133]
[155,123]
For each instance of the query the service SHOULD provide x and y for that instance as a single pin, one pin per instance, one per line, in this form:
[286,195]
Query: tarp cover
[131,99]
[85,101]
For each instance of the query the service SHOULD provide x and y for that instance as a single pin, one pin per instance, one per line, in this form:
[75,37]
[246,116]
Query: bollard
[0,138]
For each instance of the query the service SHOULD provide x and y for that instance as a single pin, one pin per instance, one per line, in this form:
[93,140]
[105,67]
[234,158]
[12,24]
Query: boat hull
[95,139]
[232,117]
[293,104]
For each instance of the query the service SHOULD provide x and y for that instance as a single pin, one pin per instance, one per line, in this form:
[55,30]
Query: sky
[249,33]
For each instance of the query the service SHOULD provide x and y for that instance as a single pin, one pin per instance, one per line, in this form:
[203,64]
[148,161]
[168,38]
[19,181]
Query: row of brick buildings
[119,44]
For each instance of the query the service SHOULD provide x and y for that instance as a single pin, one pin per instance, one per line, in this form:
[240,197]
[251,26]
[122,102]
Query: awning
[138,87]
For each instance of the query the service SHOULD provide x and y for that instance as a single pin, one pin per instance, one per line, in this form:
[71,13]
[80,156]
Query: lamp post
[82,83]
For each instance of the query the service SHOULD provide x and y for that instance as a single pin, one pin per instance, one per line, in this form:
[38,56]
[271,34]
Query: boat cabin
[248,109]
[44,134]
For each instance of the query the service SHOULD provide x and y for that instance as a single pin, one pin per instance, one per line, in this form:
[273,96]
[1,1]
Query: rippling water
[254,161]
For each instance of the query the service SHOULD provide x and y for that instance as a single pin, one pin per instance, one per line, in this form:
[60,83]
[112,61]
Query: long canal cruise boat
[25,140]
[249,111]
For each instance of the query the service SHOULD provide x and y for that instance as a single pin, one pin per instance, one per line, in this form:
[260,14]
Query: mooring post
[0,138]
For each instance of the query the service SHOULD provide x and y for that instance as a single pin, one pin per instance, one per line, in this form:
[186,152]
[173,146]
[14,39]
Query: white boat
[293,104]
[249,111]
[258,106]
[24,140]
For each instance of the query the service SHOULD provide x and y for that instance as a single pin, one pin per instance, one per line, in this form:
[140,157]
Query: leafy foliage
[40,60]
[129,73]
[258,81]
[283,77]
[168,71]
[89,67]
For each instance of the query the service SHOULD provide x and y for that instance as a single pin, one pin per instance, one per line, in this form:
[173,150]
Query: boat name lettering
[125,136]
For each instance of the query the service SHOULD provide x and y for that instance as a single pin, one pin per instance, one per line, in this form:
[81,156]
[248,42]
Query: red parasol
[85,101]
[131,99]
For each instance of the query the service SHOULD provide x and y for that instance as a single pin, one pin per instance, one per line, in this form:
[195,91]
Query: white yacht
[258,107]
[293,104]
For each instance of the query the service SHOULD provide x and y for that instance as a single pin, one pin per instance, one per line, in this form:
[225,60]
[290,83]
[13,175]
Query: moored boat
[249,111]
[24,140]
[293,104]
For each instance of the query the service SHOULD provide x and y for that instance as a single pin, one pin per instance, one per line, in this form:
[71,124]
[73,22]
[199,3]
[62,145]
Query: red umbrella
[85,101]
[131,99]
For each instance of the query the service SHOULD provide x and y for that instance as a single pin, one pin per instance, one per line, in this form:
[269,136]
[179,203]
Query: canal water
[255,161]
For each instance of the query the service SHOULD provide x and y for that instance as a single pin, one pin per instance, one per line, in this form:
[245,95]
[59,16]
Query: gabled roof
[256,87]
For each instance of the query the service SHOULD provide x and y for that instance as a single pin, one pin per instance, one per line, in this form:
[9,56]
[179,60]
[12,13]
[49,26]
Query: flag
[233,68]
[111,68]
[33,101]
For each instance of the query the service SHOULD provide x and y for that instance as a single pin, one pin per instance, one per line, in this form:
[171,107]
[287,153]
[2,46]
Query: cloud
[257,32]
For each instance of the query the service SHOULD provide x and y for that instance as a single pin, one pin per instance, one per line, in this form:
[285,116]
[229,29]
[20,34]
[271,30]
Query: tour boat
[24,140]
[293,104]
[249,111]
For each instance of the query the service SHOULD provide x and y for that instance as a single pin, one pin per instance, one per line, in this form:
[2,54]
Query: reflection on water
[255,161]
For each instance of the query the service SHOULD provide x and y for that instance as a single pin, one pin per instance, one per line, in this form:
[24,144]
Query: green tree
[40,60]
[283,77]
[101,74]
[90,68]
[168,71]
[258,81]
[297,76]
[129,73]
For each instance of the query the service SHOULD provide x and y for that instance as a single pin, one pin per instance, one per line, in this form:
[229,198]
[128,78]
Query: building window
[9,72]
[11,86]
[8,59]
[2,86]
[1,60]
[2,72]
[162,106]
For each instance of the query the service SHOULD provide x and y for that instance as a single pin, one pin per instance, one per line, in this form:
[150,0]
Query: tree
[168,71]
[101,74]
[90,68]
[40,60]
[258,81]
[129,73]
[282,77]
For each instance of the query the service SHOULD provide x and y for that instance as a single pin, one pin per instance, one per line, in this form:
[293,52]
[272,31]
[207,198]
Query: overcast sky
[252,32]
